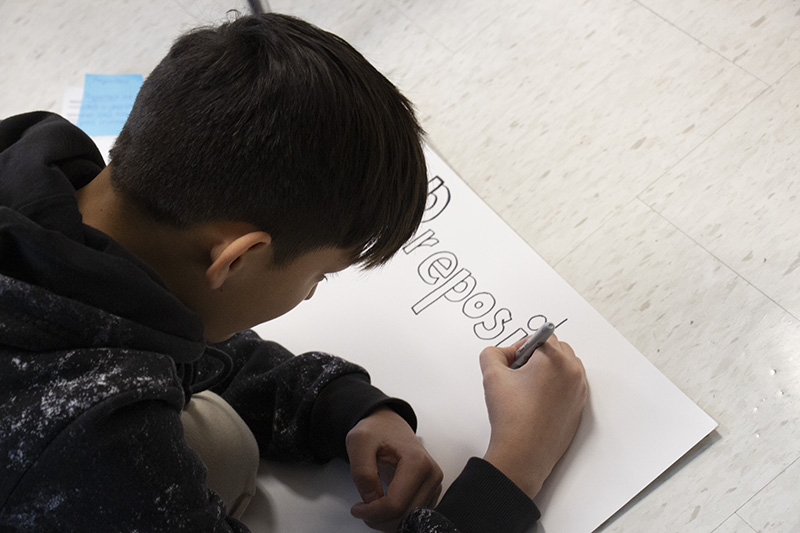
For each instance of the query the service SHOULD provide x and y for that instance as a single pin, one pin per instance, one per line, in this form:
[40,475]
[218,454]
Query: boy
[259,156]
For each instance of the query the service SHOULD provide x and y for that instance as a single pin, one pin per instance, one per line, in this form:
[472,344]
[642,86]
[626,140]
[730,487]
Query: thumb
[493,356]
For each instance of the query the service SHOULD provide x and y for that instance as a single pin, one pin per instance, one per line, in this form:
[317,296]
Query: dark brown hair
[272,121]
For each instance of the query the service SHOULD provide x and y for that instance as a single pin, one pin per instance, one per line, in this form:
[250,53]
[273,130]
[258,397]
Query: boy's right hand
[534,411]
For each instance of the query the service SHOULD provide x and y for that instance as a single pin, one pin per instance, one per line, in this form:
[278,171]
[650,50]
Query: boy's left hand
[383,442]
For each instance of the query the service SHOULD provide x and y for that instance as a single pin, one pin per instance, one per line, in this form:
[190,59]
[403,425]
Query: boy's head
[260,155]
[273,122]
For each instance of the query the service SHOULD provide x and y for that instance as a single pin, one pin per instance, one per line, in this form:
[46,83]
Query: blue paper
[107,102]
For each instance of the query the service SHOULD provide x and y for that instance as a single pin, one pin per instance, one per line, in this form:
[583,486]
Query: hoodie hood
[54,268]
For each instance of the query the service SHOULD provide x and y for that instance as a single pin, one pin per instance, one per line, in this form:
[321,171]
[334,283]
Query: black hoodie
[98,358]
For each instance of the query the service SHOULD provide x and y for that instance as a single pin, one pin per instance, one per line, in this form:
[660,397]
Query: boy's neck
[175,254]
[99,205]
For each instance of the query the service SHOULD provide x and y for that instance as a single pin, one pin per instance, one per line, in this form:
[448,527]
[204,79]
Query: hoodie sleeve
[299,408]
[480,499]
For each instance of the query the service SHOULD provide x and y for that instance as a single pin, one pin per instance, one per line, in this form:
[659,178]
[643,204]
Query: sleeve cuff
[340,406]
[483,499]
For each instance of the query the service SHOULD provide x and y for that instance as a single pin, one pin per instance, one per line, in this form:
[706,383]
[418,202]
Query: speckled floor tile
[729,348]
[737,194]
[556,115]
[761,36]
[456,22]
[734,524]
[775,508]
[50,45]
[396,46]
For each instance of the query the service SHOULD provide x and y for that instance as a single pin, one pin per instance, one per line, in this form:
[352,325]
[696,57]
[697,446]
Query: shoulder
[48,394]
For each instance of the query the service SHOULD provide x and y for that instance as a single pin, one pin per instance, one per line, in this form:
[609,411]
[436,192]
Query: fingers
[364,471]
[493,356]
[554,345]
[382,447]
[411,487]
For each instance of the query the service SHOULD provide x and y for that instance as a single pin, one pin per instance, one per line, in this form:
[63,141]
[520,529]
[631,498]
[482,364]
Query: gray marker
[536,340]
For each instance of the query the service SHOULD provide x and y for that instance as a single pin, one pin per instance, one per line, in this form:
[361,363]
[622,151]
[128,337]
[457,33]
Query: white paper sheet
[466,281]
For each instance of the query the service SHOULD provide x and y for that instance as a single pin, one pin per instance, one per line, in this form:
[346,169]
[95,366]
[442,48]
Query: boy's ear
[226,257]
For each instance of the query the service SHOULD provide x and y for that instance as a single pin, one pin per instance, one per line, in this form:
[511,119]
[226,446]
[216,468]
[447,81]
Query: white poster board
[464,282]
